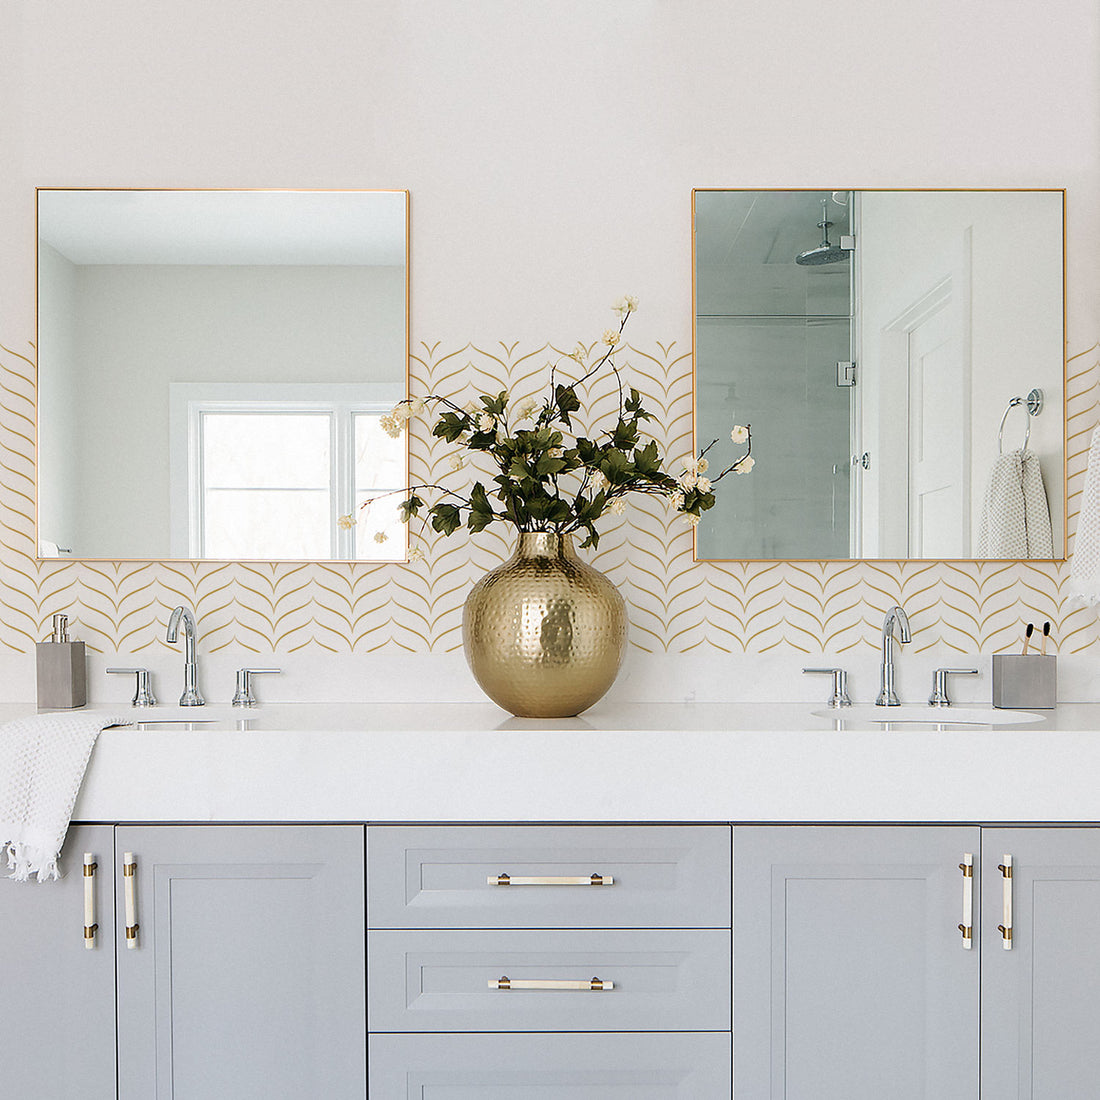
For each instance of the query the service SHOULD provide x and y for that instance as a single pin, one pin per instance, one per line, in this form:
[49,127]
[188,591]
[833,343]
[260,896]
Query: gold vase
[544,633]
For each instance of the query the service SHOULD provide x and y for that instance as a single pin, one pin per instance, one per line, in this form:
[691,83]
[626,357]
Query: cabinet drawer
[440,981]
[438,877]
[538,1067]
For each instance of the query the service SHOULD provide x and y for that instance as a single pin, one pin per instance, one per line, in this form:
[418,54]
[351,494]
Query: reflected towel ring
[1033,406]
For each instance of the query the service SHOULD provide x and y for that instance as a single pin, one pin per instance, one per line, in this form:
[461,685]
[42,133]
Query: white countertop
[654,762]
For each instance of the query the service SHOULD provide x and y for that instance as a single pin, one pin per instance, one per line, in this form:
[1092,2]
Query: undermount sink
[925,715]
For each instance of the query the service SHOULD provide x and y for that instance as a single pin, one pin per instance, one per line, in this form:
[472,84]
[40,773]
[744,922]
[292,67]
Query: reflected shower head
[825,253]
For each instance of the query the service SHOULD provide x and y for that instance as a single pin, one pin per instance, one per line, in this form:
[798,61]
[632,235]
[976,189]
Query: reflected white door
[939,488]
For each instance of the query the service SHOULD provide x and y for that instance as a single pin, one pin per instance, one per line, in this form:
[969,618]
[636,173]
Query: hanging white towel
[1084,571]
[44,758]
[1015,517]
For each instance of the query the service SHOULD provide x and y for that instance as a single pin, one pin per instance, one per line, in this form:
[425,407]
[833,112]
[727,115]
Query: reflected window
[284,478]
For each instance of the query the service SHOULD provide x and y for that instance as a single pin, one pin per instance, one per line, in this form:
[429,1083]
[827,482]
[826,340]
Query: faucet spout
[191,696]
[895,621]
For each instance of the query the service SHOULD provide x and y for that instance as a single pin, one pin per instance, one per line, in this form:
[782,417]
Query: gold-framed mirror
[212,367]
[886,346]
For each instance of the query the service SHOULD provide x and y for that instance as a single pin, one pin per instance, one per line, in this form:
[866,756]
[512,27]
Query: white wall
[550,150]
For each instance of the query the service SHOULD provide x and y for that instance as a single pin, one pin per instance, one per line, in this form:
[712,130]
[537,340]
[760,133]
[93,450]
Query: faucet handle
[243,696]
[143,690]
[840,685]
[939,697]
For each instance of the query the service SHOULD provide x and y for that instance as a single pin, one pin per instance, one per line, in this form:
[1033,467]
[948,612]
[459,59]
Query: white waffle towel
[1084,571]
[44,758]
[1015,517]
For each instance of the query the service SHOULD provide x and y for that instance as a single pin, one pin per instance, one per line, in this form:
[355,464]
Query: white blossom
[346,523]
[745,465]
[380,536]
[702,465]
[527,409]
[703,484]
[417,405]
[740,433]
[691,519]
[390,425]
[485,422]
[688,480]
[600,484]
[579,354]
[416,554]
[676,500]
[555,452]
[617,506]
[626,304]
[610,337]
[457,460]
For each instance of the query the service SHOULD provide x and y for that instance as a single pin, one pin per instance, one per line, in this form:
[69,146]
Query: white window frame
[189,402]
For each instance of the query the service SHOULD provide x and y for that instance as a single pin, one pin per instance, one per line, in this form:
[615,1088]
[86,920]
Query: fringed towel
[1016,518]
[43,762]
[1084,571]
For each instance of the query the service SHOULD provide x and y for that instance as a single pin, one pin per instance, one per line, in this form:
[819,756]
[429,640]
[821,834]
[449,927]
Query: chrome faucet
[895,617]
[191,696]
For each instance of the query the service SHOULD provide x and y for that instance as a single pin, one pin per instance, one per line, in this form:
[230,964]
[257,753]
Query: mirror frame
[1065,378]
[73,558]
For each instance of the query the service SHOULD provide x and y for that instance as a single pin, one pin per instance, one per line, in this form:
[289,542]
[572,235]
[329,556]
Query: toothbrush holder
[1025,682]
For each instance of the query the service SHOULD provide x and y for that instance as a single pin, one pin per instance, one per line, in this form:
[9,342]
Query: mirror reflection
[212,367]
[877,341]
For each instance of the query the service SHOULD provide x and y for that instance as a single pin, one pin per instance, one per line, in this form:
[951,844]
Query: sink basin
[925,715]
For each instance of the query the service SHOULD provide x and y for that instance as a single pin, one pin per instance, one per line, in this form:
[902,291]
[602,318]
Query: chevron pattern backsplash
[677,605]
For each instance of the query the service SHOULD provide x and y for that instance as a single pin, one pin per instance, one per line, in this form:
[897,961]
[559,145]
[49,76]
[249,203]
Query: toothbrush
[1046,634]
[1027,637]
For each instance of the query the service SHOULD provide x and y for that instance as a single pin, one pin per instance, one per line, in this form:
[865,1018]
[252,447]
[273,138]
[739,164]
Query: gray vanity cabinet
[247,979]
[57,1021]
[851,979]
[1041,998]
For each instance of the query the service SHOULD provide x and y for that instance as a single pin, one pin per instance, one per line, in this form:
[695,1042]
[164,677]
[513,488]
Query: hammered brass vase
[544,633]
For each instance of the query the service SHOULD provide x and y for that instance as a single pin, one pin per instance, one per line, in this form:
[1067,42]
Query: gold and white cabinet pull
[90,926]
[594,879]
[129,883]
[967,926]
[1006,886]
[593,985]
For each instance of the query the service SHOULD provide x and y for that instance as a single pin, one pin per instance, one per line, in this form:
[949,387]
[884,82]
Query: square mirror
[900,357]
[212,367]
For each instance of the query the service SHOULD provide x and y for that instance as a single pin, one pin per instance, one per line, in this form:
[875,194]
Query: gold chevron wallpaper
[676,605]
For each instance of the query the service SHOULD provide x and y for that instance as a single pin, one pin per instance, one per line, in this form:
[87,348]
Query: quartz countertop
[653,762]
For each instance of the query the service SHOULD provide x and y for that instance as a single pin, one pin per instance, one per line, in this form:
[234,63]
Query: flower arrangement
[549,478]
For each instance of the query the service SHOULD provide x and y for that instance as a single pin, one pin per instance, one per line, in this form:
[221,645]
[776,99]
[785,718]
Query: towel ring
[1033,405]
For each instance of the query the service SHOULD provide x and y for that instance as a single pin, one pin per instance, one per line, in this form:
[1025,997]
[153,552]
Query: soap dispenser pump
[61,673]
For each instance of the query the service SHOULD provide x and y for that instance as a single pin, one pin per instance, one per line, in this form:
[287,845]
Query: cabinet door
[57,999]
[248,976]
[851,981]
[1041,998]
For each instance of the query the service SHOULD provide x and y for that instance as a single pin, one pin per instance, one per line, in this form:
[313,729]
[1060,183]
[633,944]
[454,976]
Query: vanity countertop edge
[652,762]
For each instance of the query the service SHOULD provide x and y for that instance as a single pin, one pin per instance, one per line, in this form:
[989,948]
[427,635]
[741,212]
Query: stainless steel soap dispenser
[61,673]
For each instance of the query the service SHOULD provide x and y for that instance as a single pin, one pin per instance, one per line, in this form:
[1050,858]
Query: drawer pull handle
[594,985]
[593,879]
[129,879]
[967,926]
[1006,902]
[90,926]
